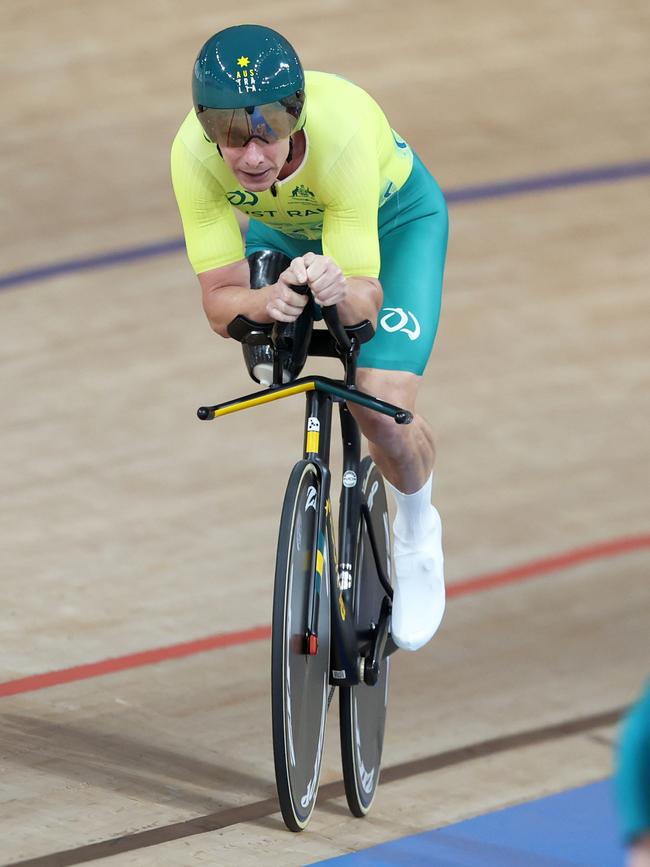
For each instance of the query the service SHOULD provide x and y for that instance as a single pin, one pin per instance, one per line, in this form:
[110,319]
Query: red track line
[133,660]
[247,636]
[600,551]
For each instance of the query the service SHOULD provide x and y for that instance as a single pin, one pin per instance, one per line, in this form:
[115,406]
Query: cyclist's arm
[364,300]
[350,235]
[227,293]
[212,234]
[356,298]
[214,241]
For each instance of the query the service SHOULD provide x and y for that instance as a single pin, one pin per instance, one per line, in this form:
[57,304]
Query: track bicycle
[331,605]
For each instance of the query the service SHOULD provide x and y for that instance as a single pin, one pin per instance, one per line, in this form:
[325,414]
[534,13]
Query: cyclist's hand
[285,305]
[323,276]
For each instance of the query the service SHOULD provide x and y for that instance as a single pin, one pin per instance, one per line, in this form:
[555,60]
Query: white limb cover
[418,564]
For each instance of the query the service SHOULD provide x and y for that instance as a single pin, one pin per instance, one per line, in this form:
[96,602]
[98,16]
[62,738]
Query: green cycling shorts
[413,231]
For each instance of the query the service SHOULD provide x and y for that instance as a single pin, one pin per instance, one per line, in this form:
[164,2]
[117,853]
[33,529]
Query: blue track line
[92,263]
[460,195]
[555,181]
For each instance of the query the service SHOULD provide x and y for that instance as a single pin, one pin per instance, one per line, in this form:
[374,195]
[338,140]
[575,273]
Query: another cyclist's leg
[413,247]
[632,780]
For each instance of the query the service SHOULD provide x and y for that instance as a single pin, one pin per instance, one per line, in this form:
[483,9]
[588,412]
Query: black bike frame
[344,668]
[321,393]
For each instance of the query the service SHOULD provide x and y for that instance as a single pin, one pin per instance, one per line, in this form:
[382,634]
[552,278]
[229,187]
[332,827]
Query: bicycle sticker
[312,496]
[371,495]
[345,576]
[367,780]
[338,675]
[312,785]
[320,561]
[349,479]
[313,435]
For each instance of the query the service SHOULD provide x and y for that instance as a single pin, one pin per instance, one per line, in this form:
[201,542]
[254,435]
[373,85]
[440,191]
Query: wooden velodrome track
[128,525]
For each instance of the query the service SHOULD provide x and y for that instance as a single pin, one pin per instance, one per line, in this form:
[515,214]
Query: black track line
[261,809]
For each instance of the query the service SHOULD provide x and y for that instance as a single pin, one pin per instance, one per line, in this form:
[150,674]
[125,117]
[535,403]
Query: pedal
[391,647]
[378,647]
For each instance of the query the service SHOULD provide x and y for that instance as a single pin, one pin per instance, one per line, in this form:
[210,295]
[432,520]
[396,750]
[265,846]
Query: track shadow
[261,811]
[126,763]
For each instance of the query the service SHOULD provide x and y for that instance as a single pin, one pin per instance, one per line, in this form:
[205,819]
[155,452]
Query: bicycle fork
[344,668]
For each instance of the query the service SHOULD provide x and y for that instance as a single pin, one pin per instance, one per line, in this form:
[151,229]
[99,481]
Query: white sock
[419,588]
[414,517]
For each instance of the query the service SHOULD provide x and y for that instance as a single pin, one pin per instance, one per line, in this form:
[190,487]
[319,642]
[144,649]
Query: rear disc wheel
[363,708]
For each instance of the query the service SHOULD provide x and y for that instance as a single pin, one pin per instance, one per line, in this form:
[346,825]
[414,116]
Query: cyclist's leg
[391,365]
[404,453]
[413,239]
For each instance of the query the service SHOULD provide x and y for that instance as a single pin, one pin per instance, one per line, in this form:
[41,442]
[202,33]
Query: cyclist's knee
[382,429]
[398,387]
[393,386]
[375,427]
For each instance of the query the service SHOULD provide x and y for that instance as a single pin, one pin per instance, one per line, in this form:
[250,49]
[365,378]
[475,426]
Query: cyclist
[346,207]
[633,780]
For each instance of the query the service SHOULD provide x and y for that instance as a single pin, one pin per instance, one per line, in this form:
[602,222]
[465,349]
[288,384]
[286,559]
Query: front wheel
[299,681]
[363,708]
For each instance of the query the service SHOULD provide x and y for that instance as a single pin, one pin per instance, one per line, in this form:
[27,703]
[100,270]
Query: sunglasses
[235,127]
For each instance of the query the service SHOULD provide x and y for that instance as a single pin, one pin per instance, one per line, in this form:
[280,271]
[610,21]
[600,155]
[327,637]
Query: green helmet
[248,82]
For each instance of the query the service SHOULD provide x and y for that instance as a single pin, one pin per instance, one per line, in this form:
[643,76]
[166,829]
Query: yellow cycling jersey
[354,163]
